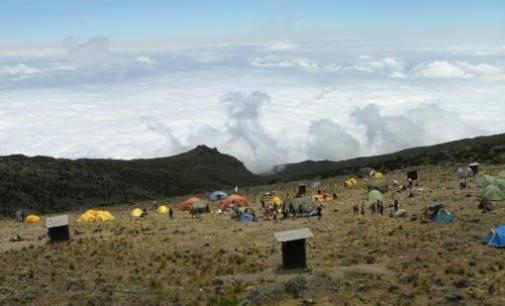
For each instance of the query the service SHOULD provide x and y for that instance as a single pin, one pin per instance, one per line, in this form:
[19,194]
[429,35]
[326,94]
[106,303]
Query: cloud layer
[265,103]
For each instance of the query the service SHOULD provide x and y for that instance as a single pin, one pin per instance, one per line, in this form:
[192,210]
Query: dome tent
[378,175]
[439,213]
[246,217]
[276,200]
[186,205]
[486,180]
[32,219]
[350,182]
[137,212]
[237,200]
[93,215]
[201,206]
[492,193]
[218,195]
[162,209]
[375,195]
[496,237]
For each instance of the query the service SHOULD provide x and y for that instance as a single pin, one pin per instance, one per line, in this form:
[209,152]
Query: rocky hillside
[43,184]
[485,149]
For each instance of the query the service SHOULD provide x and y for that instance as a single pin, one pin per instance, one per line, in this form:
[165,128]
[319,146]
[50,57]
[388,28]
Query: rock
[267,295]
[296,286]
[308,301]
[485,205]
[462,283]
[250,288]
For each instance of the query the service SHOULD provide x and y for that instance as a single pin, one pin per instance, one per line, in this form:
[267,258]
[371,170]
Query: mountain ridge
[44,184]
[480,149]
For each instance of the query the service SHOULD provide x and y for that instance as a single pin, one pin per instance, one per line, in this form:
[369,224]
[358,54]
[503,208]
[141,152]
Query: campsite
[120,258]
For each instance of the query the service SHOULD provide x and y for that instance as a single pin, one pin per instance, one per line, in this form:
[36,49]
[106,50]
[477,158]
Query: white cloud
[328,140]
[31,53]
[19,69]
[91,52]
[458,70]
[21,72]
[283,46]
[285,62]
[388,66]
[145,60]
[248,139]
[95,101]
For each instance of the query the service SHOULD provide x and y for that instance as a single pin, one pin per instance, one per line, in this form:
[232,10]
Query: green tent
[200,204]
[487,180]
[492,193]
[375,195]
[306,202]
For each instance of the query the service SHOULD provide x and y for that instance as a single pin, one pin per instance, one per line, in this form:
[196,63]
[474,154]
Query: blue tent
[496,237]
[218,195]
[443,216]
[438,213]
[246,217]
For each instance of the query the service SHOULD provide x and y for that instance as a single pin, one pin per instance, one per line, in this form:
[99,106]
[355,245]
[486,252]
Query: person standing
[292,210]
[319,211]
[373,207]
[171,213]
[19,216]
[396,204]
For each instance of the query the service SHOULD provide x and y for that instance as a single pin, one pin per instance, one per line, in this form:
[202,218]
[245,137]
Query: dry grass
[370,260]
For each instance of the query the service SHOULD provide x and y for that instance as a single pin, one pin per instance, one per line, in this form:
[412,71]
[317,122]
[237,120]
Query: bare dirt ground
[353,260]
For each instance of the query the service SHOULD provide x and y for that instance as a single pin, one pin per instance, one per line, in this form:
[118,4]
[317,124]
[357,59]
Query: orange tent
[321,197]
[237,201]
[186,205]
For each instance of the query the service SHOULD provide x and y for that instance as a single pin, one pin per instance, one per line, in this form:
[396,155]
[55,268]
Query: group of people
[288,210]
[375,207]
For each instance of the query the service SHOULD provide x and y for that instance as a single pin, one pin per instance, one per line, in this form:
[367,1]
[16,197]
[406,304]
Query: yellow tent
[95,216]
[350,182]
[378,175]
[276,200]
[163,209]
[104,216]
[32,219]
[137,212]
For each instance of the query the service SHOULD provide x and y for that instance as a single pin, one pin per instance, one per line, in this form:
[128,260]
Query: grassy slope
[370,260]
[44,184]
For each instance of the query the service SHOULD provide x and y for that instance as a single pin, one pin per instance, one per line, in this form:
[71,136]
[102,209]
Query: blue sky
[269,82]
[25,21]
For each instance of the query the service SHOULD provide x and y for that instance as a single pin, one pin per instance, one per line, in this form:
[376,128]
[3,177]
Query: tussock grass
[373,259]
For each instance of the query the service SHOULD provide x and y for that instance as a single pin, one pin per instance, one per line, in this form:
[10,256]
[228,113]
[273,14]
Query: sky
[269,82]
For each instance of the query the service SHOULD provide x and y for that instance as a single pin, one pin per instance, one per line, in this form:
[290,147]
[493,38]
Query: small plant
[226,303]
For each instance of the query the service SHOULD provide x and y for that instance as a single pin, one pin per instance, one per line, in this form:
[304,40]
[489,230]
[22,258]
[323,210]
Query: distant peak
[204,148]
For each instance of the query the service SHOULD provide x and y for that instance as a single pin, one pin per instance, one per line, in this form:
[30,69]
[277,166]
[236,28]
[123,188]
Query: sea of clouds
[265,103]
